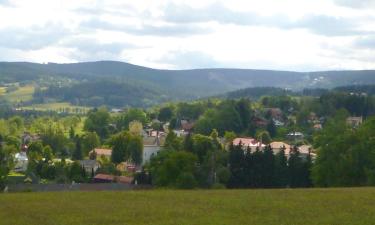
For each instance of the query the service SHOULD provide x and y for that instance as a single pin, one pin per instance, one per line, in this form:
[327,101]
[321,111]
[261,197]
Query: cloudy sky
[300,35]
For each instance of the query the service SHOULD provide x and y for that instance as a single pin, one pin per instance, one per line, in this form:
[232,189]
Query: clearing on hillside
[22,94]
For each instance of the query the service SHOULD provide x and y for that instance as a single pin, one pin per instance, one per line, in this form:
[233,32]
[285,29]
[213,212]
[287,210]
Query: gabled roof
[279,145]
[88,163]
[102,151]
[247,142]
[153,141]
[111,178]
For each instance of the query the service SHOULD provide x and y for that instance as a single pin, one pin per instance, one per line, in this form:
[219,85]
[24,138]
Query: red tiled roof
[102,176]
[111,178]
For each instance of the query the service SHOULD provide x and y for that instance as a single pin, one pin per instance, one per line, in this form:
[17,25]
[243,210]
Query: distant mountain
[178,84]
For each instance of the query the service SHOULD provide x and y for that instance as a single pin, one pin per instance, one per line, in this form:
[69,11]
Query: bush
[186,181]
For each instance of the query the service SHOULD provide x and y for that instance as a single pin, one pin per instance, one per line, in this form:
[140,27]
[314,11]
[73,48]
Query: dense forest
[102,92]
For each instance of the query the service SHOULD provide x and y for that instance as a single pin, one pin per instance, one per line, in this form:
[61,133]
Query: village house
[248,143]
[89,165]
[278,145]
[187,125]
[318,126]
[101,152]
[21,161]
[274,113]
[295,136]
[27,137]
[354,121]
[278,123]
[151,147]
[304,150]
[180,133]
[127,167]
[106,178]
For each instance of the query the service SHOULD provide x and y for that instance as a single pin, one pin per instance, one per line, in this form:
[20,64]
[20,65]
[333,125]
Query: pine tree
[257,168]
[271,128]
[77,154]
[236,163]
[172,142]
[281,169]
[306,171]
[268,167]
[248,168]
[295,165]
[188,143]
[71,133]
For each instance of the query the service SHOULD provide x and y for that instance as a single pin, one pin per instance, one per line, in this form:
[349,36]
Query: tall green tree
[172,142]
[6,164]
[268,172]
[165,114]
[90,140]
[174,169]
[281,169]
[120,150]
[236,166]
[135,147]
[98,121]
[77,153]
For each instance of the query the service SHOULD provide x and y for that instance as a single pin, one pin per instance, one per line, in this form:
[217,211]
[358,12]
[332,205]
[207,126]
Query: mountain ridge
[176,84]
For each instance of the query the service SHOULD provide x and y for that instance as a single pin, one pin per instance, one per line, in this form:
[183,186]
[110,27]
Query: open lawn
[284,206]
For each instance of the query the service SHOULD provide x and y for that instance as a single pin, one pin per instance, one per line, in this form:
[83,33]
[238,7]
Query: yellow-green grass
[56,106]
[24,93]
[2,90]
[164,207]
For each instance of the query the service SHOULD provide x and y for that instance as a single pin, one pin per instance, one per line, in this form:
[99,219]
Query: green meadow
[56,106]
[339,206]
[23,93]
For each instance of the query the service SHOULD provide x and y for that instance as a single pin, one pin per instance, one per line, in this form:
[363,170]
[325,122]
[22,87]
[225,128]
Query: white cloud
[270,34]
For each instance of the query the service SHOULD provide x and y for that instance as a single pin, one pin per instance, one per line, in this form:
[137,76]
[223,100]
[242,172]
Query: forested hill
[169,84]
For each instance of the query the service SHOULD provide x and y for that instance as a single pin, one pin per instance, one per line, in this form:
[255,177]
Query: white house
[151,147]
[250,143]
[21,162]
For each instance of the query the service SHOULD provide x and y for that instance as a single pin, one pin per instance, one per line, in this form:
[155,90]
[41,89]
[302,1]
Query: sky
[296,35]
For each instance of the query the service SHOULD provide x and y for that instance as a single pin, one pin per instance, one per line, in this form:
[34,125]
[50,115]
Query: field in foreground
[300,206]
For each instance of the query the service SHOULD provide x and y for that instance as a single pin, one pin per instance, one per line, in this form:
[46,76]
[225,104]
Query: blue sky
[300,35]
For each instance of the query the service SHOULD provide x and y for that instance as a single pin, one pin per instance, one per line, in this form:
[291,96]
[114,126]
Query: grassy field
[2,90]
[24,93]
[299,206]
[57,106]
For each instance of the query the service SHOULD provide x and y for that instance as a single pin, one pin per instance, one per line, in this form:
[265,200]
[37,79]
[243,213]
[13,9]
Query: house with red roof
[248,143]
